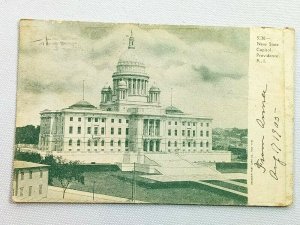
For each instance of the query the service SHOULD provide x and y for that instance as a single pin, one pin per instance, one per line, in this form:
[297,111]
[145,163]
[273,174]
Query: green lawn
[117,183]
[228,185]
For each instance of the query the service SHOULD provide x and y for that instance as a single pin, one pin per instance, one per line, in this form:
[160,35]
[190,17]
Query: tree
[28,156]
[66,172]
[27,135]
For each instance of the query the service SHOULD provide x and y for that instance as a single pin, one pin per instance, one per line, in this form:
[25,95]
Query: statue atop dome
[131,41]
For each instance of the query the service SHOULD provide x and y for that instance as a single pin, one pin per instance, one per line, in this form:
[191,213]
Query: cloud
[207,75]
[196,63]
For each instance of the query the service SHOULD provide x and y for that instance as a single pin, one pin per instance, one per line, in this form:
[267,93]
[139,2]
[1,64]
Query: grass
[118,183]
[228,185]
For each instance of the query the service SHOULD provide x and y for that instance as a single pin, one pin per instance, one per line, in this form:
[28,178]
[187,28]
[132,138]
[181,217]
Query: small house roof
[24,164]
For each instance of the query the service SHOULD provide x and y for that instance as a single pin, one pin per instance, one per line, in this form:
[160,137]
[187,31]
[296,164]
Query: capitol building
[128,125]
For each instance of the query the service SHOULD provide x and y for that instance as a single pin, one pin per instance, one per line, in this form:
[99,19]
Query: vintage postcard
[156,114]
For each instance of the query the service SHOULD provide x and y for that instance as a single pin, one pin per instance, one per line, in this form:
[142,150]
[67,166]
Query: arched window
[201,144]
[78,142]
[102,143]
[70,142]
[119,143]
[207,144]
[95,143]
[111,143]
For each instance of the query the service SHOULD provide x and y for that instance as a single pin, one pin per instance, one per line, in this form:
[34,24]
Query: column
[148,130]
[154,125]
[129,86]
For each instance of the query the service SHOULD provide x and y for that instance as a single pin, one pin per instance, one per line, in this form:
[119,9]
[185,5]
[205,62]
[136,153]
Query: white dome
[122,83]
[154,89]
[130,57]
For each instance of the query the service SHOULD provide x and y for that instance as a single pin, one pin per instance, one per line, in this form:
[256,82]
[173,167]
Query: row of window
[96,142]
[183,132]
[96,150]
[96,130]
[90,119]
[30,174]
[189,144]
[187,123]
[30,190]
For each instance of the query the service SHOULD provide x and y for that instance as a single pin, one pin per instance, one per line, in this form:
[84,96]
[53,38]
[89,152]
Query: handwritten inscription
[274,148]
[276,140]
[261,121]
[260,162]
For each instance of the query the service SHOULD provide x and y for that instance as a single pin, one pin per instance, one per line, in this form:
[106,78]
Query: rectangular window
[78,130]
[22,175]
[189,124]
[41,174]
[201,133]
[119,131]
[183,123]
[207,133]
[112,120]
[169,132]
[175,132]
[96,130]
[89,119]
[89,130]
[120,120]
[207,124]
[127,121]
[183,132]
[96,119]
[30,174]
[40,189]
[189,133]
[70,130]
[194,124]
[21,191]
[71,118]
[175,122]
[79,119]
[201,124]
[170,123]
[112,130]
[127,131]
[102,130]
[194,133]
[30,191]
[103,120]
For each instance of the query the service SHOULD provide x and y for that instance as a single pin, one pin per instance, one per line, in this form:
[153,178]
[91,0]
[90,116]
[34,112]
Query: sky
[206,67]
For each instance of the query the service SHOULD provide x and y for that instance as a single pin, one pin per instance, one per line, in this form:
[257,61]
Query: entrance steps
[173,164]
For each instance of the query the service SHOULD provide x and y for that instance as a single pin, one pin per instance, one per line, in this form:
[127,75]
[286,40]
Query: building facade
[30,181]
[129,118]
